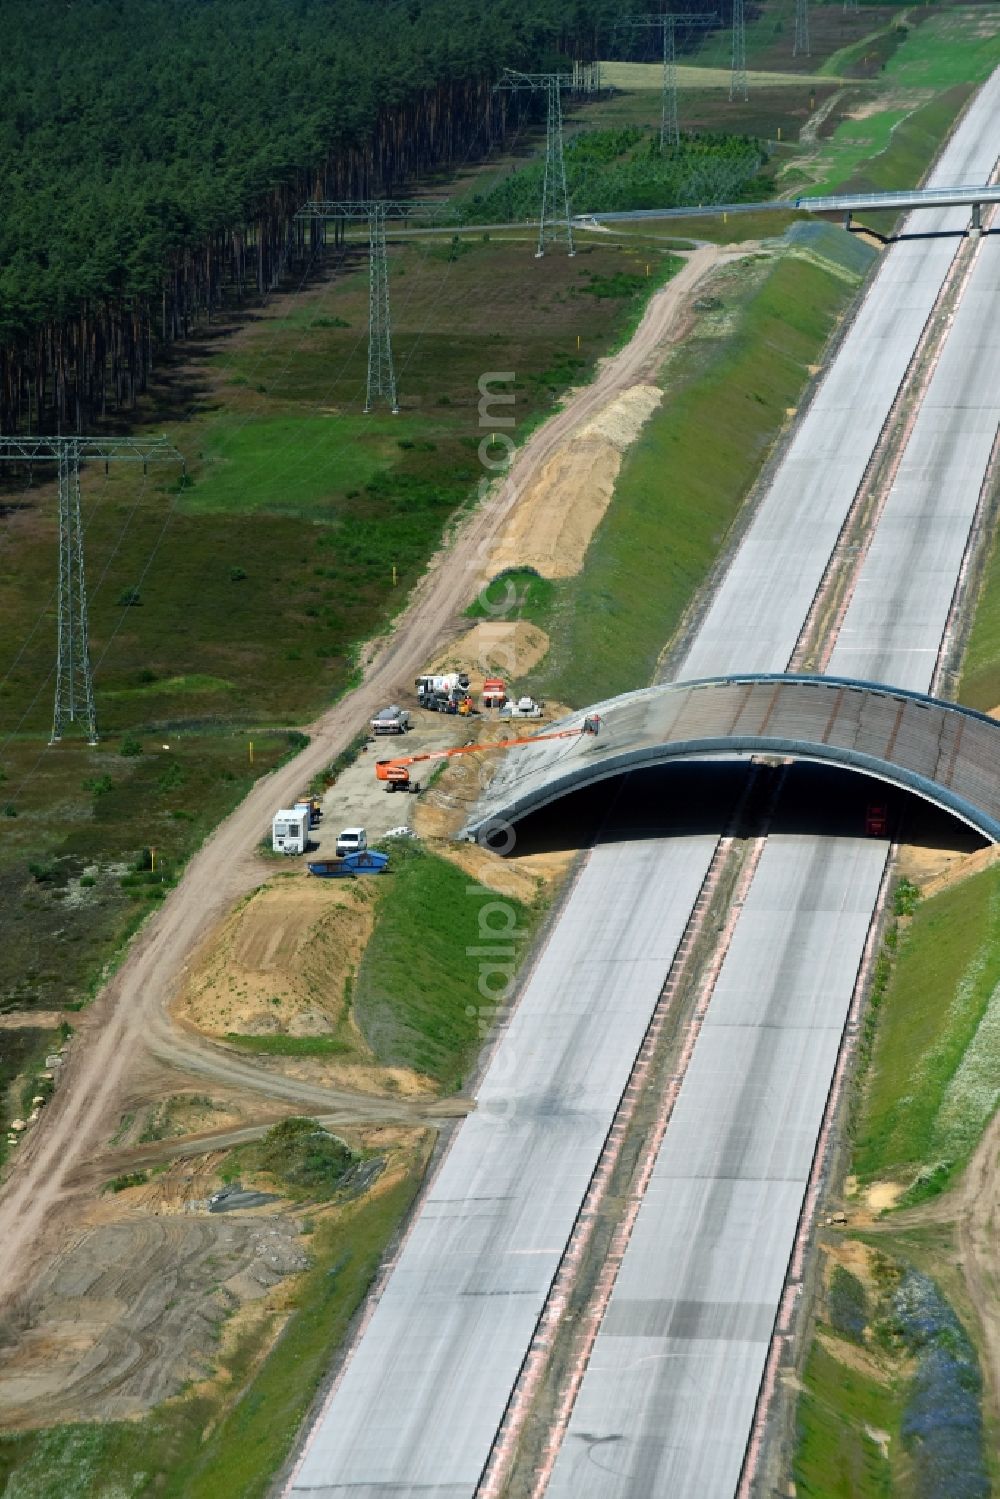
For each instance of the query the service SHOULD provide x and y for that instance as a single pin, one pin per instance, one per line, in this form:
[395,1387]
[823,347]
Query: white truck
[290,830]
[525,707]
[351,841]
[391,720]
[450,681]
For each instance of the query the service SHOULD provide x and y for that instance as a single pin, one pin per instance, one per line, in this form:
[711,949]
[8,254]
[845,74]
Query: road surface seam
[536,1359]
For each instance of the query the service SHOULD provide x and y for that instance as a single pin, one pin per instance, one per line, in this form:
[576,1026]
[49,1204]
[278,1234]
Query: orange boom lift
[396,775]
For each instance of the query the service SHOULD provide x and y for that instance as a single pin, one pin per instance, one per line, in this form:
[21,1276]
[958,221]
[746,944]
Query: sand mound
[961,867]
[501,647]
[556,517]
[279,962]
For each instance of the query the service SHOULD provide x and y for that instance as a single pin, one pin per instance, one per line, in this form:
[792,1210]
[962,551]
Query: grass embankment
[728,391]
[206,1445]
[980,682]
[891,1400]
[890,128]
[932,1083]
[439,952]
[836,1458]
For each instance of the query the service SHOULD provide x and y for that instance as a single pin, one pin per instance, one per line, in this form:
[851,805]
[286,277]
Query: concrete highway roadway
[668,1400]
[424,1392]
[422,1396]
[766,598]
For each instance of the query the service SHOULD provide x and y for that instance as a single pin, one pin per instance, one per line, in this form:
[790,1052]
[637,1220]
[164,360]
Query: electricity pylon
[381,384]
[74,678]
[554,181]
[800,47]
[670,133]
[738,83]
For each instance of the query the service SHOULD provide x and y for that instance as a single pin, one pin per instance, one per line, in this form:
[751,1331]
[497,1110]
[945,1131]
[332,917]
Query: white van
[351,841]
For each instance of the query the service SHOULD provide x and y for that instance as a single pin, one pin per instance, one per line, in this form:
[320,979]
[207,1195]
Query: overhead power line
[74,698]
[738,81]
[670,133]
[381,382]
[555,194]
[800,47]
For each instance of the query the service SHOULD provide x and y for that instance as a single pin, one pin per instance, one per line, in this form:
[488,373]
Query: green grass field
[835,1457]
[649,75]
[417,998]
[283,464]
[932,1084]
[980,681]
[926,72]
[290,1046]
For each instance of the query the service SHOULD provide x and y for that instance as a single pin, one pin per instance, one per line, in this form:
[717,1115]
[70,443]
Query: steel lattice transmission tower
[738,83]
[554,189]
[670,133]
[74,678]
[800,47]
[381,383]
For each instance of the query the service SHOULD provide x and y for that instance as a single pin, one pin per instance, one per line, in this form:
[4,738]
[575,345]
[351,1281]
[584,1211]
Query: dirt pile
[279,963]
[937,869]
[495,647]
[562,507]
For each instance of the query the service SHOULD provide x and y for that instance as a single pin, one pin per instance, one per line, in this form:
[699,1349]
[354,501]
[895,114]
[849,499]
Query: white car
[392,720]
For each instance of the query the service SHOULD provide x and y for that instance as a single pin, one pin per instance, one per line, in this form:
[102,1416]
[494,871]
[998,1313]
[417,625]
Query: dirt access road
[129,1016]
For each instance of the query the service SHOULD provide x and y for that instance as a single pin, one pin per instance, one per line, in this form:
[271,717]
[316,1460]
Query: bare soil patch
[281,964]
[278,964]
[937,869]
[509,648]
[852,1356]
[562,486]
[559,513]
[129,1311]
[881,1196]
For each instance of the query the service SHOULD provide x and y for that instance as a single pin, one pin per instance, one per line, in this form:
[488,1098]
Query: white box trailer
[290,830]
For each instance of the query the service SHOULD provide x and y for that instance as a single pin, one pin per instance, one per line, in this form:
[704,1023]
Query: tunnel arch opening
[938,751]
[719,796]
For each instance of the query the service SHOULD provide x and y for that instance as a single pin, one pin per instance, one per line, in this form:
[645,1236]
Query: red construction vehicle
[396,774]
[494,693]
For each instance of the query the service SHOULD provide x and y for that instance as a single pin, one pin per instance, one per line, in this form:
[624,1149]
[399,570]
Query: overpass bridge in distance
[944,753]
[848,204]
